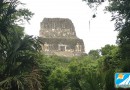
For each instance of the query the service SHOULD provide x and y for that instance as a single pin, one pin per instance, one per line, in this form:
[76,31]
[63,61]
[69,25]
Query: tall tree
[19,53]
[94,54]
[121,14]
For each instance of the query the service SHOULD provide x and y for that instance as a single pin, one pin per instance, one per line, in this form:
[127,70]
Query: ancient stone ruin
[59,38]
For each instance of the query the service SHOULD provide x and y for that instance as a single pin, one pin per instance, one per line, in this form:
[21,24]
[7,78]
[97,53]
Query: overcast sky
[101,30]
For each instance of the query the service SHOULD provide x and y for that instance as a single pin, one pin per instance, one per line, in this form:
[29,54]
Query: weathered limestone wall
[59,38]
[57,28]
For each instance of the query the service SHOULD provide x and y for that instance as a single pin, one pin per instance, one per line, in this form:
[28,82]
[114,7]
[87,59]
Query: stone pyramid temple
[59,38]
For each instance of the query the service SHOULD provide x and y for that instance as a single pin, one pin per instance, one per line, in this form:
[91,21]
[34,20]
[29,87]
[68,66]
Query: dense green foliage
[121,13]
[83,73]
[19,53]
[87,72]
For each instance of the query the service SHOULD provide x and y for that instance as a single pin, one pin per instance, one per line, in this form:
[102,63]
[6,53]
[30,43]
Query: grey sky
[101,29]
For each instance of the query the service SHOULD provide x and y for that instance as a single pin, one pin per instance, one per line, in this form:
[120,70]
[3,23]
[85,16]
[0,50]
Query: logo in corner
[122,80]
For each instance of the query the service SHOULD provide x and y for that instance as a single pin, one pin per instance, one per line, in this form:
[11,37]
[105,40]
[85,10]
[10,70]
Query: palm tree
[19,66]
[19,53]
